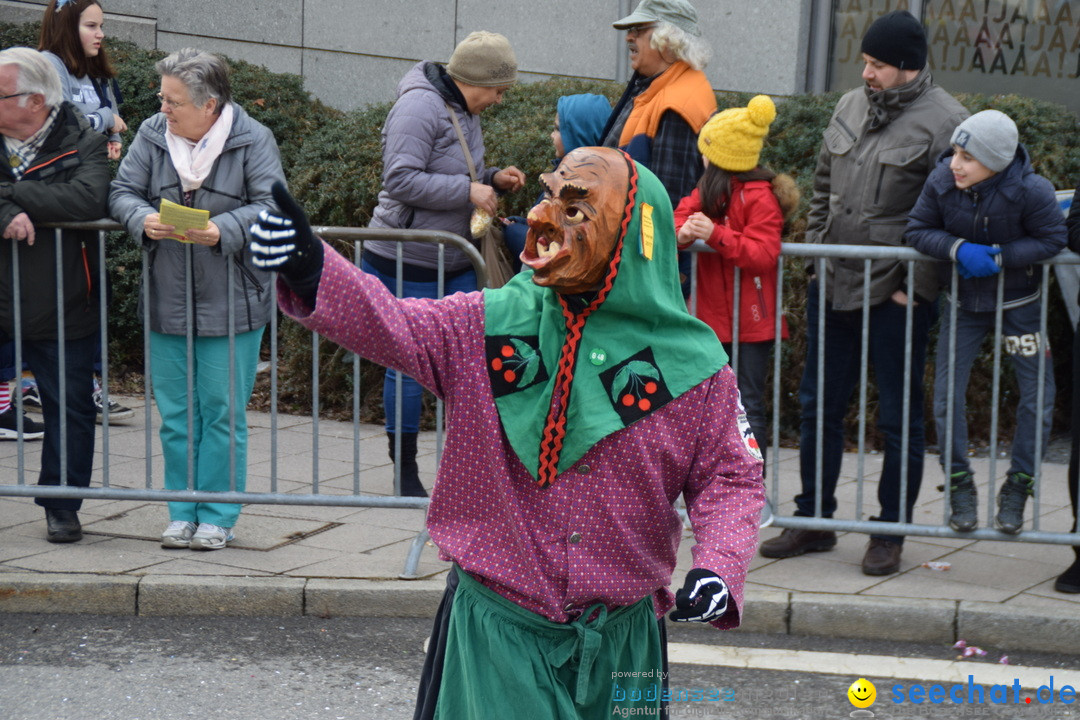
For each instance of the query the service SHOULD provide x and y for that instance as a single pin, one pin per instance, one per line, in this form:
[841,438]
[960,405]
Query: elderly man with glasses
[57,171]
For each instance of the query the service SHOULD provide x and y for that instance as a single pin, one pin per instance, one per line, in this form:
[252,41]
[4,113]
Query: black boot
[964,501]
[410,473]
[1011,500]
[1069,581]
[62,526]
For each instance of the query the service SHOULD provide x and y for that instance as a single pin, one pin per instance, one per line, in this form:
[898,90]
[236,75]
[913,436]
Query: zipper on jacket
[761,297]
[86,268]
[246,276]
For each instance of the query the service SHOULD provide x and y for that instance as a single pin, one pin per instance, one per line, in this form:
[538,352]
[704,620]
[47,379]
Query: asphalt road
[82,667]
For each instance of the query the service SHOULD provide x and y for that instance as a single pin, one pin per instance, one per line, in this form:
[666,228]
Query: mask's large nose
[543,215]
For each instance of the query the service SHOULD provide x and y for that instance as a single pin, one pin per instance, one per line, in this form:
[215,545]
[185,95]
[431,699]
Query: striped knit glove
[702,598]
[284,242]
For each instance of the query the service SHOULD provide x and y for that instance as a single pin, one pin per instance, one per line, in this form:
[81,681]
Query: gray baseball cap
[679,13]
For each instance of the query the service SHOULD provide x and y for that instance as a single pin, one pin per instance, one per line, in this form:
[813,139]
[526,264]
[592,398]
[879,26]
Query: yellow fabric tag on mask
[646,231]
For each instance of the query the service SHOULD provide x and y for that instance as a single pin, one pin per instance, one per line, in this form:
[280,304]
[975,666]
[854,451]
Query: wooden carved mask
[573,230]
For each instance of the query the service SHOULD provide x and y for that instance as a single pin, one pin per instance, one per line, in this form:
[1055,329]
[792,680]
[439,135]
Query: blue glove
[702,598]
[976,260]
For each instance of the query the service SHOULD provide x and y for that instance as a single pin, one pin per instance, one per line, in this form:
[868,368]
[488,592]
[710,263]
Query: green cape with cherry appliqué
[565,376]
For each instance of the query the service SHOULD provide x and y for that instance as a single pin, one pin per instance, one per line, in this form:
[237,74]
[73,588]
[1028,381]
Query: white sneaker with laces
[117,412]
[178,534]
[211,537]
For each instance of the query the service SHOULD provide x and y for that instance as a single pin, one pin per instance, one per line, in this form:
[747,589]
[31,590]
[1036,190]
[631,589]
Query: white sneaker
[178,534]
[211,537]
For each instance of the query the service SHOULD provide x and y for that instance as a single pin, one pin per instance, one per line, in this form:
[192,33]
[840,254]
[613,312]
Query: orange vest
[681,89]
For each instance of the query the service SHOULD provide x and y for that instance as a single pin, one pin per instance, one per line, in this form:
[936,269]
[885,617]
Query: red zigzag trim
[551,439]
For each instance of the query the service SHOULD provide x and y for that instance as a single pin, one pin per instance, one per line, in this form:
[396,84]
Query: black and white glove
[702,598]
[285,243]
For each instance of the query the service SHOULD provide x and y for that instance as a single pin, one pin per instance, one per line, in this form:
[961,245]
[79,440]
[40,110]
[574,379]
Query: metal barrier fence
[819,254]
[857,523]
[108,491]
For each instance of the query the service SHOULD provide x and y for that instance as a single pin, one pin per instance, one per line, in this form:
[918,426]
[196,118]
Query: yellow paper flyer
[183,219]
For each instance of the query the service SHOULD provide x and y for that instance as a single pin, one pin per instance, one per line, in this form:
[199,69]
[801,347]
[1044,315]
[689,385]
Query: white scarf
[194,160]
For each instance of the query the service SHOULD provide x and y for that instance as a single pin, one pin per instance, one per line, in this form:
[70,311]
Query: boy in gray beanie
[990,137]
[984,208]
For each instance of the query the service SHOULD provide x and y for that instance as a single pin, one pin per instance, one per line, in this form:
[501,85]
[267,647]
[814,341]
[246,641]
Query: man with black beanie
[880,145]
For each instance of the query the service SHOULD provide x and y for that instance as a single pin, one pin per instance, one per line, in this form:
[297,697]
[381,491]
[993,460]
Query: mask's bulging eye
[574,216]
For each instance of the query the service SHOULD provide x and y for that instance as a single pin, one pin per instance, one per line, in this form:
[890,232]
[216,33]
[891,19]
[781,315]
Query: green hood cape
[625,354]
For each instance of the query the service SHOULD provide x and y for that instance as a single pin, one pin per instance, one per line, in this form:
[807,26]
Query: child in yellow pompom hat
[738,209]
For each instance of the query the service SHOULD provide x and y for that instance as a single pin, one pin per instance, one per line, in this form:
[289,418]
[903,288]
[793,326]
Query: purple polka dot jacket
[607,530]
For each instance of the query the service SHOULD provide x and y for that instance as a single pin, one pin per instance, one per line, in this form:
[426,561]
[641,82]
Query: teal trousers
[210,464]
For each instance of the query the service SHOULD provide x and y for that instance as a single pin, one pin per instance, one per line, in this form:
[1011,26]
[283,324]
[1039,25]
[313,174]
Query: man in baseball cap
[668,56]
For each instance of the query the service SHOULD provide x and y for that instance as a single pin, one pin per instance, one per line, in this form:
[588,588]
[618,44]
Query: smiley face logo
[862,693]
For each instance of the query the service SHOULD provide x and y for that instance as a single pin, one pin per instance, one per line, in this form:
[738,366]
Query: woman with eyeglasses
[72,38]
[201,151]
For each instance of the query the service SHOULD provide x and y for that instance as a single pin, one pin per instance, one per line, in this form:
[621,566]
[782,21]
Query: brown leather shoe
[882,557]
[794,542]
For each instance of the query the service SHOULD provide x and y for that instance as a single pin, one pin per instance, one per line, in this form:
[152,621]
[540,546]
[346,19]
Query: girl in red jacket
[738,209]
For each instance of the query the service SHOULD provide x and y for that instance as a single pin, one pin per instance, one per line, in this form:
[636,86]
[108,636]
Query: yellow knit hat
[732,139]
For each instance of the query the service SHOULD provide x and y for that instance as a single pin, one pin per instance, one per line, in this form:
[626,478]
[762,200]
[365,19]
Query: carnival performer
[583,401]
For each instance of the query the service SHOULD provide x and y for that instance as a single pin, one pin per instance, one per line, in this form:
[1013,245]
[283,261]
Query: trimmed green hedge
[333,161]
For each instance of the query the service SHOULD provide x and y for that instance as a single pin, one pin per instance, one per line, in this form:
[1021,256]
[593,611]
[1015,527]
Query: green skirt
[505,661]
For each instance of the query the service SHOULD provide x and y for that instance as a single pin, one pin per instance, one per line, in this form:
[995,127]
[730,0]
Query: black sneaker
[117,411]
[1011,500]
[32,430]
[963,499]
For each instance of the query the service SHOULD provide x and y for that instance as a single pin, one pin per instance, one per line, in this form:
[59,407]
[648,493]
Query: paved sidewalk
[293,560]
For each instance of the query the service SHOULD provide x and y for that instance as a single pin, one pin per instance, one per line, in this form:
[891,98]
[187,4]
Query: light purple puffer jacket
[425,177]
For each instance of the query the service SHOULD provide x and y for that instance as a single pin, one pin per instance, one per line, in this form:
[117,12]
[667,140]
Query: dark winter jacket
[1073,221]
[237,188]
[68,181]
[425,176]
[1014,210]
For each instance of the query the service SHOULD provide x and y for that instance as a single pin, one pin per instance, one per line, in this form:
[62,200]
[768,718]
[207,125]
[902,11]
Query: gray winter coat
[236,190]
[425,177]
[877,152]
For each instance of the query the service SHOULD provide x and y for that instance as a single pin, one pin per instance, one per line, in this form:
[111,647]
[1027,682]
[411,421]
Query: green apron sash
[505,661]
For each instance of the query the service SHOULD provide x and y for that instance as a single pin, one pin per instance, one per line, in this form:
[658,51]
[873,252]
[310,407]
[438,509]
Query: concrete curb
[68,593]
[769,611]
